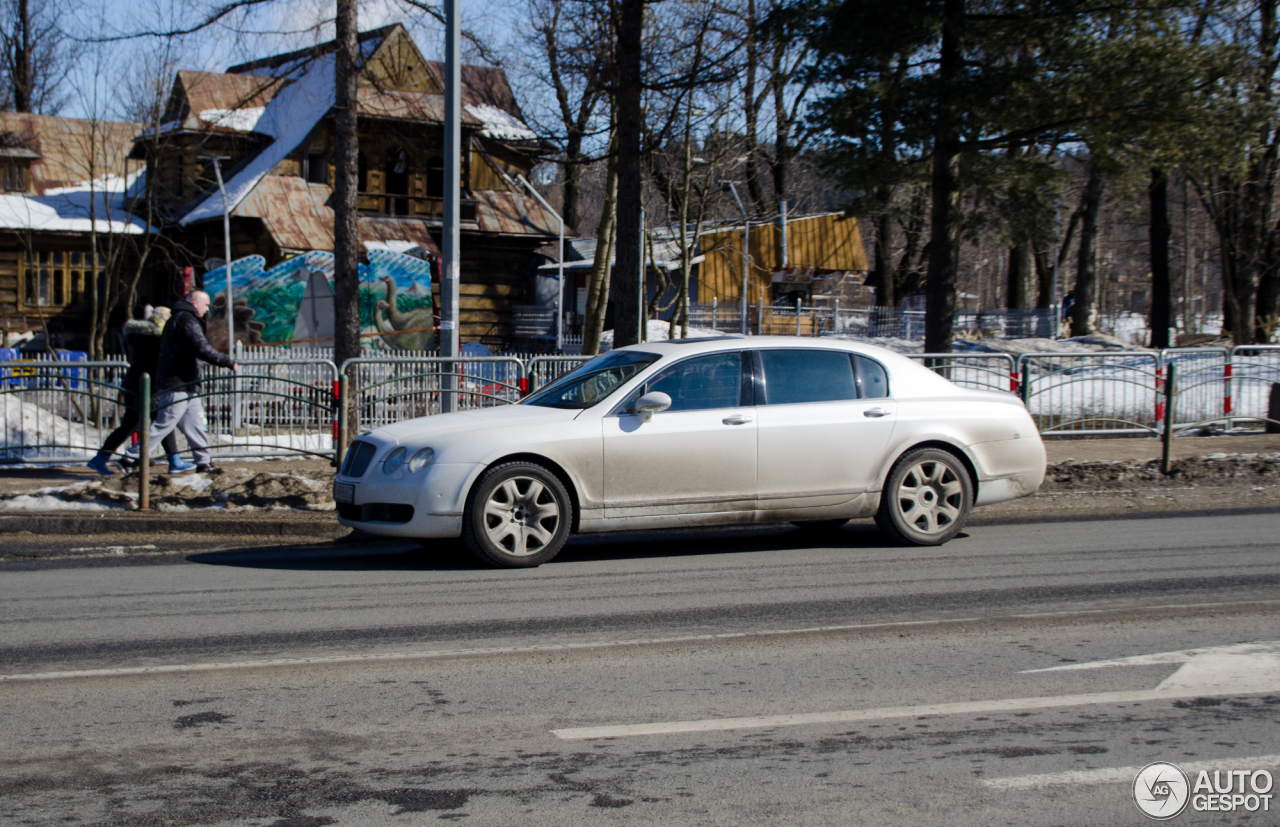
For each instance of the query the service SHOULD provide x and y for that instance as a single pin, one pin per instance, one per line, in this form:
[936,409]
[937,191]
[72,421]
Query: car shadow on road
[361,552]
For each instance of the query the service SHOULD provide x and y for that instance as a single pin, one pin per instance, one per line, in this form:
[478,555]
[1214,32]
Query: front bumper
[437,495]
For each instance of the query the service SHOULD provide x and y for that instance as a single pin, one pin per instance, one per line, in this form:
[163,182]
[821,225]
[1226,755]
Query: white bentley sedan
[699,432]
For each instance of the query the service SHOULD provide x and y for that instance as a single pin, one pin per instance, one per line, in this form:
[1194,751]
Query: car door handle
[876,413]
[736,419]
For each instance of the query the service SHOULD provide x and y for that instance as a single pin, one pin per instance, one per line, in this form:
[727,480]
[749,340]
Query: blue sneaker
[178,466]
[99,464]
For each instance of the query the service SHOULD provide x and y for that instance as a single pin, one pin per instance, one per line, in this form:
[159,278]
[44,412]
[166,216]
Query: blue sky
[107,69]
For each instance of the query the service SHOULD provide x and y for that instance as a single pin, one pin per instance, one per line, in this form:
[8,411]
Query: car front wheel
[926,499]
[518,516]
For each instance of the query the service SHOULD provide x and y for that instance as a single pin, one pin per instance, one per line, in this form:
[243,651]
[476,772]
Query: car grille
[359,455]
[376,512]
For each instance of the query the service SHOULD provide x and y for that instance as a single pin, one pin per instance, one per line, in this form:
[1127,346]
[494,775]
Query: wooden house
[272,122]
[64,183]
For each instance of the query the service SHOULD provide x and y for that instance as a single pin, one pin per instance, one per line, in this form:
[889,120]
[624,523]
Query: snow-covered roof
[500,125]
[77,209]
[287,118]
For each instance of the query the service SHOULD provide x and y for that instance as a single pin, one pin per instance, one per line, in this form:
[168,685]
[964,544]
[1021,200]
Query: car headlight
[394,460]
[418,460]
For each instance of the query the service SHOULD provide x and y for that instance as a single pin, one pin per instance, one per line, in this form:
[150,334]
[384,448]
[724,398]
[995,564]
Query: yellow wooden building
[817,245]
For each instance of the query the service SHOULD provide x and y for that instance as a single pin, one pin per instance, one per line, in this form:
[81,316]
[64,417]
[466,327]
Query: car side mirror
[649,404]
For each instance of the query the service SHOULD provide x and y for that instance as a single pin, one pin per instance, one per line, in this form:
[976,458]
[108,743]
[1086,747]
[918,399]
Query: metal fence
[57,411]
[1253,370]
[271,407]
[984,371]
[54,409]
[1093,392]
[385,389]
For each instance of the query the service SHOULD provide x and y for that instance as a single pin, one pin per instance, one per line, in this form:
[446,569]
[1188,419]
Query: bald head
[200,301]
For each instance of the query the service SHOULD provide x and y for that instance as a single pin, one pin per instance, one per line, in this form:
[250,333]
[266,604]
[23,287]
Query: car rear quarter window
[792,376]
[873,382]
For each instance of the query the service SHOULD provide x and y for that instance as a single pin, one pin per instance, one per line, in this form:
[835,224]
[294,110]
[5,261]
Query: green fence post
[1166,458]
[144,442]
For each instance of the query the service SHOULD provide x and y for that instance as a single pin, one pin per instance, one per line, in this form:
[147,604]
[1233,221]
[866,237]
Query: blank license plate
[344,492]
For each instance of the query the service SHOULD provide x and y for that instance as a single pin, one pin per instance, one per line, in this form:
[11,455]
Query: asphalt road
[655,678]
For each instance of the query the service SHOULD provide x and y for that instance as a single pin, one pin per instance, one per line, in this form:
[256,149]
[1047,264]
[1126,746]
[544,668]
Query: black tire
[818,526]
[927,498]
[518,515]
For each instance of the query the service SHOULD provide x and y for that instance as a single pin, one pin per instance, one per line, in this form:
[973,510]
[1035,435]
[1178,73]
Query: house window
[315,167]
[60,279]
[435,177]
[13,178]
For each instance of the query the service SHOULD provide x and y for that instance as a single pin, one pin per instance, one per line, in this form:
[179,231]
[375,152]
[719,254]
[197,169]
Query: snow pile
[236,488]
[26,423]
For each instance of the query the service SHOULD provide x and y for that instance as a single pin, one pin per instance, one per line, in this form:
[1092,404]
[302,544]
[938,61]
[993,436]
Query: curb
[112,524]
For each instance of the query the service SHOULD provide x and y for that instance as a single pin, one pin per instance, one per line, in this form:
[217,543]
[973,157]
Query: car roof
[712,344]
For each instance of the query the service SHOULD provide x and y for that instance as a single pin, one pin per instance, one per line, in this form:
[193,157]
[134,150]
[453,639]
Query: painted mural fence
[293,301]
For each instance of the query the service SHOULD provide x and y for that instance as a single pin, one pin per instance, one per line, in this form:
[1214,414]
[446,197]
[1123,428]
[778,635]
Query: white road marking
[114,549]
[1181,656]
[1122,775]
[1228,670]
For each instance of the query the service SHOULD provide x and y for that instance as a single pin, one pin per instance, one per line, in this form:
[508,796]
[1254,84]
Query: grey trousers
[183,411]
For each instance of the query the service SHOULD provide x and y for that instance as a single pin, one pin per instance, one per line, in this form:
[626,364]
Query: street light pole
[226,234]
[746,256]
[449,291]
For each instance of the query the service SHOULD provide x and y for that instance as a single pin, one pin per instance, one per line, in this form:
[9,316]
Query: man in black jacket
[182,347]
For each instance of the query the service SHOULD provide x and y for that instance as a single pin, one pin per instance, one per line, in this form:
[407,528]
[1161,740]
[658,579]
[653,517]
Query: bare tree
[37,55]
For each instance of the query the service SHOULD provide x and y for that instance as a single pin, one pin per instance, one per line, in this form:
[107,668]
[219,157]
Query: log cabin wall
[823,242]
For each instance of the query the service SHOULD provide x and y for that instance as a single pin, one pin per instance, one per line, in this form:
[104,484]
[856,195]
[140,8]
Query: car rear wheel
[927,498]
[518,515]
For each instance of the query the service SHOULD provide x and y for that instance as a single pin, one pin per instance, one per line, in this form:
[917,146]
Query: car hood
[505,416]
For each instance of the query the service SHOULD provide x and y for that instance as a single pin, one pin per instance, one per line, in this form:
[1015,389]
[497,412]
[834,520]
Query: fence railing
[57,411]
[984,371]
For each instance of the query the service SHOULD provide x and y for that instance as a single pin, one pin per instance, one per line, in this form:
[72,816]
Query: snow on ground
[26,423]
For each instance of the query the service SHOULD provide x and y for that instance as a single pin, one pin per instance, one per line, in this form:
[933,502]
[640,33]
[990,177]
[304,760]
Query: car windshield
[594,381]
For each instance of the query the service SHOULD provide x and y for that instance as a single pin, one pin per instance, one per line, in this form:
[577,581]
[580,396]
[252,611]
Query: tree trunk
[598,285]
[626,322]
[346,275]
[1044,280]
[1016,278]
[1266,308]
[883,274]
[940,280]
[23,65]
[572,179]
[1160,233]
[1086,258]
[751,113]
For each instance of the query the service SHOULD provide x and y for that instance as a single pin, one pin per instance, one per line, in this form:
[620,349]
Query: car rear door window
[873,382]
[702,383]
[793,376]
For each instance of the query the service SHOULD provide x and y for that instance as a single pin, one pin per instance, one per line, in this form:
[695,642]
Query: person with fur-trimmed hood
[182,347]
[142,344]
